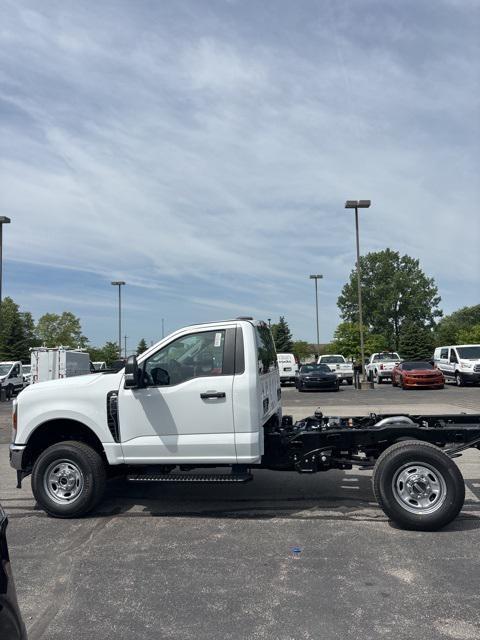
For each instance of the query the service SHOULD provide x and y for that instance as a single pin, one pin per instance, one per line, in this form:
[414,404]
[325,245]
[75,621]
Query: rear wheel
[418,486]
[68,479]
[350,381]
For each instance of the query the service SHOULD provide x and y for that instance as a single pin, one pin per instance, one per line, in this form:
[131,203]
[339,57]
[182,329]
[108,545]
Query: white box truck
[58,362]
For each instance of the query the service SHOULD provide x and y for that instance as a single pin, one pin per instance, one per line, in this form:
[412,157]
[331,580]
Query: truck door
[184,412]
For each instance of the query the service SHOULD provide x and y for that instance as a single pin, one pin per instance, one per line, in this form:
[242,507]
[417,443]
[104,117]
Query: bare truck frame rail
[415,480]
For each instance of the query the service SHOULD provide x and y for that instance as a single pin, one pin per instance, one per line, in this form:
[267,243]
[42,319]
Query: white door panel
[174,424]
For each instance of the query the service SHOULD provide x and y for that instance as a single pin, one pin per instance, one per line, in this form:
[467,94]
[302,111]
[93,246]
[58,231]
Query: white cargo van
[459,363]
[287,367]
[58,362]
[11,377]
[338,365]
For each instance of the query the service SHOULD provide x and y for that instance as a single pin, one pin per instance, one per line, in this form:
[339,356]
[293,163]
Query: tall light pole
[119,284]
[359,204]
[3,220]
[316,277]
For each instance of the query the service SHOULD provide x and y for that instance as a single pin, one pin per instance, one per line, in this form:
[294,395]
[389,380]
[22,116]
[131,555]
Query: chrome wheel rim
[63,481]
[419,488]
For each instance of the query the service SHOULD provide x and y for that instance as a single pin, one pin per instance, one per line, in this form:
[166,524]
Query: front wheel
[458,380]
[68,479]
[418,486]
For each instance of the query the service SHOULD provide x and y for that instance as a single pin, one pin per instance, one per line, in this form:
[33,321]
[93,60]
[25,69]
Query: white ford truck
[380,366]
[209,396]
[339,366]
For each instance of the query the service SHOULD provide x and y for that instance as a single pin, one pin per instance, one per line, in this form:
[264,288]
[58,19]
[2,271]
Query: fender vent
[112,415]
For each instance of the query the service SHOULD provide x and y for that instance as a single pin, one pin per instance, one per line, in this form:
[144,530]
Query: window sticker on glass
[218,339]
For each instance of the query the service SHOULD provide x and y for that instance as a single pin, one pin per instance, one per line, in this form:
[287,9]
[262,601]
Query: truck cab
[202,396]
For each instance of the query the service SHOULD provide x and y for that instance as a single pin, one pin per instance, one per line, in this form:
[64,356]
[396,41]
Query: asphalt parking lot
[213,561]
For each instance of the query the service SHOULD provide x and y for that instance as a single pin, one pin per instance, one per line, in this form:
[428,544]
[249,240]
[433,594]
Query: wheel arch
[58,430]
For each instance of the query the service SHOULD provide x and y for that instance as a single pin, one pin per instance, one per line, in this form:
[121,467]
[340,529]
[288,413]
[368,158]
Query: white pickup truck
[209,396]
[339,366]
[380,366]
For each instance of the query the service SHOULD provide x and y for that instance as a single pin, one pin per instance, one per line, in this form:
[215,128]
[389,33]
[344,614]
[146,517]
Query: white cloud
[176,148]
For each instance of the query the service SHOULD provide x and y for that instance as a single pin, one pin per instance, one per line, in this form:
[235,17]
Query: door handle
[212,394]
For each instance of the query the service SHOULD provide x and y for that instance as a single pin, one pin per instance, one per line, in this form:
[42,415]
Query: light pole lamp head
[357,204]
[316,276]
[118,283]
[4,220]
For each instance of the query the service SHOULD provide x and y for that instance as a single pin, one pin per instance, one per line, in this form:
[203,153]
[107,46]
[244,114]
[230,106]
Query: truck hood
[64,383]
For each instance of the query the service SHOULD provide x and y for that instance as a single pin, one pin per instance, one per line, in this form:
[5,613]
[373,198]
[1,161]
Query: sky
[203,150]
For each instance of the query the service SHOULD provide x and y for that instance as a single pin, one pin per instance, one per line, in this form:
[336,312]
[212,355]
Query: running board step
[189,477]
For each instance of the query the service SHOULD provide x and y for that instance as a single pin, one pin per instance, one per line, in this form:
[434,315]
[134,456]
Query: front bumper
[16,456]
[318,384]
[424,384]
[473,378]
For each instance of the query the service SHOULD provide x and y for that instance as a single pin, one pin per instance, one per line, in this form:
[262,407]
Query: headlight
[14,419]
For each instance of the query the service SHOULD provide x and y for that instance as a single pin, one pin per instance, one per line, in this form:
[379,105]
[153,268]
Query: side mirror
[131,373]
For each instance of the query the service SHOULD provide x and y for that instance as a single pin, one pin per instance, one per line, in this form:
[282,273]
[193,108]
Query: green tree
[282,336]
[30,338]
[448,329]
[13,344]
[395,292]
[416,342]
[110,353]
[56,330]
[346,341]
[301,349]
[470,335]
[142,346]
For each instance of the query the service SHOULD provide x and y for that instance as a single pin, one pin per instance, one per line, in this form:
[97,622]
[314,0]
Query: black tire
[9,392]
[444,488]
[459,380]
[85,468]
[350,381]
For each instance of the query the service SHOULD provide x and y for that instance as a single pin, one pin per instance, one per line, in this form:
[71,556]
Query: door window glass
[193,356]
[444,354]
[453,356]
[267,357]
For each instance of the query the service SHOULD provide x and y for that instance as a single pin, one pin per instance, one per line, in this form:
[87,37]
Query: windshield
[315,368]
[386,356]
[4,369]
[469,353]
[332,359]
[410,366]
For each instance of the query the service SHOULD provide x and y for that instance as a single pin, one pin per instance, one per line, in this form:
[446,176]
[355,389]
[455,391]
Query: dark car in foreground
[316,377]
[417,375]
[11,623]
